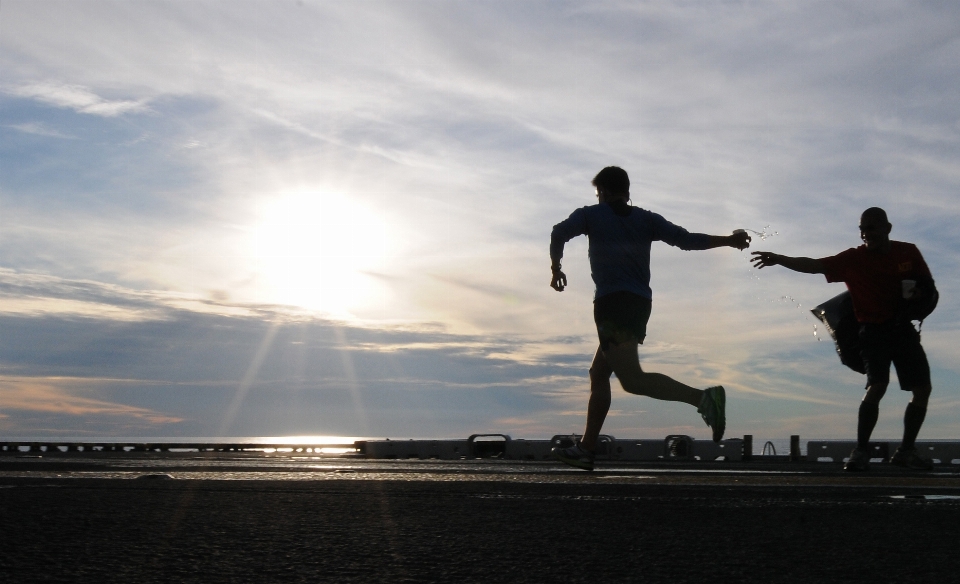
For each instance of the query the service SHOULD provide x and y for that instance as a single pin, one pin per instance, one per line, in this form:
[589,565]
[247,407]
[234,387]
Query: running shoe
[909,458]
[713,410]
[859,461]
[575,456]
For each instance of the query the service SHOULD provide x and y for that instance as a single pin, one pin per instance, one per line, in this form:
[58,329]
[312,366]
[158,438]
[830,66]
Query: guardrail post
[795,447]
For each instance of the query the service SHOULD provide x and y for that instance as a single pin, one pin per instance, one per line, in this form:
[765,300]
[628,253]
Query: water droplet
[764,233]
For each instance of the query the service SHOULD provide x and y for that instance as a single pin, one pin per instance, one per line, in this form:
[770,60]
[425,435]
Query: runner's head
[612,183]
[875,229]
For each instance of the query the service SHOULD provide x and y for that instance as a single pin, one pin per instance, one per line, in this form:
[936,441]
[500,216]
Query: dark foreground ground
[608,528]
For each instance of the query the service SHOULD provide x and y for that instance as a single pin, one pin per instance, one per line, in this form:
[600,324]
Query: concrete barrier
[502,446]
[839,450]
[528,450]
[420,449]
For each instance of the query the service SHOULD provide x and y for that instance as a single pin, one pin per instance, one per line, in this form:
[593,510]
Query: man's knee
[600,373]
[920,395]
[636,381]
[875,392]
[600,380]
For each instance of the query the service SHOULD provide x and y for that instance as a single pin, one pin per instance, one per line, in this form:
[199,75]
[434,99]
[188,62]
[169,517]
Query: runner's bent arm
[563,232]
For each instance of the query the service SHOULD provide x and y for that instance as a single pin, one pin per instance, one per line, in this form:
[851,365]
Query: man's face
[603,195]
[874,231]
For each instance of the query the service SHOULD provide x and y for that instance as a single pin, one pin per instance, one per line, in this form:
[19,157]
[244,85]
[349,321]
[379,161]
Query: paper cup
[908,287]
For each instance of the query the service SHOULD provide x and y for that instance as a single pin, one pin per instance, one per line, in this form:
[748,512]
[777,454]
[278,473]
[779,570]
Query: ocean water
[331,444]
[300,439]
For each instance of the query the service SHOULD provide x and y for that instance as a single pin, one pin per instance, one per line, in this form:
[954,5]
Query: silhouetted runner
[880,274]
[620,236]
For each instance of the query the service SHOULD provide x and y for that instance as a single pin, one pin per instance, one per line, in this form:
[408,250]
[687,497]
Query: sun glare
[321,251]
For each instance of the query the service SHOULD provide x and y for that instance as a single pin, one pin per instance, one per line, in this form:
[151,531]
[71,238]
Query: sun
[323,251]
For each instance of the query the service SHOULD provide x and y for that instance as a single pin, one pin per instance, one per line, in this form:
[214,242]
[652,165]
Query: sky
[285,218]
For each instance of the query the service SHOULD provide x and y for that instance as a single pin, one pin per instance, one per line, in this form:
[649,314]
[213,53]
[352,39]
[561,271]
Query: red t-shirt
[873,278]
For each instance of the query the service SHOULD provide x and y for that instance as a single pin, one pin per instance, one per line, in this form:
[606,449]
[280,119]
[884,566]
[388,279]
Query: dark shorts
[621,317]
[882,344]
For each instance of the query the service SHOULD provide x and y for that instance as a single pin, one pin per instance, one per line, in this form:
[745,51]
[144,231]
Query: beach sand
[156,530]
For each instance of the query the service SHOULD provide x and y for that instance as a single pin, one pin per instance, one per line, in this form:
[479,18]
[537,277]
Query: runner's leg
[623,359]
[599,404]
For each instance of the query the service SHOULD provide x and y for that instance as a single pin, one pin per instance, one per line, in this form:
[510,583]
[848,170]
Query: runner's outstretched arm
[739,240]
[763,259]
[679,237]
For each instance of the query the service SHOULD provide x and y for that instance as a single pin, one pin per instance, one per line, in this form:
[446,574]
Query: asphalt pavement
[214,518]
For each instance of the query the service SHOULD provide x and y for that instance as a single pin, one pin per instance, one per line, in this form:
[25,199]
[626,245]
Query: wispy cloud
[77,98]
[39,129]
[58,396]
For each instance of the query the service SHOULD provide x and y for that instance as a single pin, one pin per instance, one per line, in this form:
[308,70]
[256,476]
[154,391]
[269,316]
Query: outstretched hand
[764,259]
[559,280]
[741,239]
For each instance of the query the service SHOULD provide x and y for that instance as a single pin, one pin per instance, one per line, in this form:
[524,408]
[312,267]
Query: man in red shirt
[879,274]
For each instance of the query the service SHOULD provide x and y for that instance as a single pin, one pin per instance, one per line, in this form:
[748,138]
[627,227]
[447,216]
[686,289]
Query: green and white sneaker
[713,409]
[575,456]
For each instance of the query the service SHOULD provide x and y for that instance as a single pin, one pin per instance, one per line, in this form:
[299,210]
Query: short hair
[614,180]
[876,213]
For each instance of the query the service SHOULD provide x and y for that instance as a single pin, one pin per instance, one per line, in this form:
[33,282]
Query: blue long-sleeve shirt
[620,245]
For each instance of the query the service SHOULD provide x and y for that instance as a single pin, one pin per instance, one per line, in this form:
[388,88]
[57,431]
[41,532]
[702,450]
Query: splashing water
[764,233]
[799,306]
[792,300]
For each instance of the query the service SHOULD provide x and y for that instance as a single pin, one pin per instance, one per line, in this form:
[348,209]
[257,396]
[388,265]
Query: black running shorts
[621,317]
[882,344]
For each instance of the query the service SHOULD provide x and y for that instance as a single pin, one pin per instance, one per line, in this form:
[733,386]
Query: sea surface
[761,445]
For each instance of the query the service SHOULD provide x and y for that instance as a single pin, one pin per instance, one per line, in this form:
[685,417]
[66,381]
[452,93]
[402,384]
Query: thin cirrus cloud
[40,130]
[77,98]
[466,131]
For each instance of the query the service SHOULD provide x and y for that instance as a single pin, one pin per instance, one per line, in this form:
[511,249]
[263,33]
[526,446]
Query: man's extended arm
[739,240]
[763,259]
[679,237]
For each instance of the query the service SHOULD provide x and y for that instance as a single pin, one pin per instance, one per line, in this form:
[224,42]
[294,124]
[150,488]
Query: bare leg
[913,417]
[868,414]
[625,362]
[599,404]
